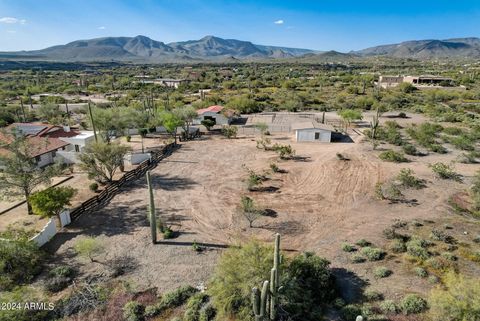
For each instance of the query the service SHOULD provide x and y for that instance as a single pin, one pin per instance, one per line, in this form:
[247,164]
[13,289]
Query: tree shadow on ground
[286,228]
[349,285]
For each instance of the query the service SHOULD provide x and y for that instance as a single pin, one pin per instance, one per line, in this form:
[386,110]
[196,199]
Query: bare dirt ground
[318,203]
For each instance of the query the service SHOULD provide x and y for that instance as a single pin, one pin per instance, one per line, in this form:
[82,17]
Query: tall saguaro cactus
[265,302]
[151,210]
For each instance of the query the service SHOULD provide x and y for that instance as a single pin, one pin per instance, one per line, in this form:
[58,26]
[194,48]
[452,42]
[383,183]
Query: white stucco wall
[45,159]
[308,135]
[136,158]
[46,233]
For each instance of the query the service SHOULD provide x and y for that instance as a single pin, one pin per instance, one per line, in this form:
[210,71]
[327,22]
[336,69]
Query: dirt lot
[317,204]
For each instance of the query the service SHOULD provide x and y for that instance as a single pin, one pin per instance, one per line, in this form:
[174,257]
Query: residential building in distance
[172,83]
[213,113]
[420,82]
[49,143]
[311,131]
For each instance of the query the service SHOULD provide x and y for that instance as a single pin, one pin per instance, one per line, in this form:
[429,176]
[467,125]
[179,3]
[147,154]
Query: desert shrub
[348,247]
[274,167]
[437,148]
[373,253]
[461,142]
[440,264]
[421,272]
[194,304]
[208,123]
[457,300]
[133,311]
[439,235]
[62,270]
[309,285]
[363,243]
[382,272]
[357,258]
[20,261]
[56,283]
[207,312]
[284,151]
[93,187]
[388,307]
[168,233]
[351,311]
[342,157]
[449,256]
[244,268]
[468,158]
[23,294]
[410,149]
[433,279]
[407,179]
[229,131]
[171,299]
[121,265]
[393,156]
[425,133]
[393,136]
[418,248]
[444,171]
[89,247]
[390,233]
[413,304]
[128,138]
[454,131]
[84,298]
[372,295]
[398,246]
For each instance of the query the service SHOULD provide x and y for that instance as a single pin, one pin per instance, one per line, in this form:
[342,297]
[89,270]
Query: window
[317,135]
[77,148]
[54,153]
[37,158]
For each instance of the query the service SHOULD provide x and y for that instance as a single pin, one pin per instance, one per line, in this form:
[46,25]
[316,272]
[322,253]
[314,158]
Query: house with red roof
[213,113]
[47,142]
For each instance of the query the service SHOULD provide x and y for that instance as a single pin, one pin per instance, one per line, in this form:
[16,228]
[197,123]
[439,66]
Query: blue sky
[322,25]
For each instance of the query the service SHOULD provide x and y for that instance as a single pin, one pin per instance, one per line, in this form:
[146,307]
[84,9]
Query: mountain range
[142,49]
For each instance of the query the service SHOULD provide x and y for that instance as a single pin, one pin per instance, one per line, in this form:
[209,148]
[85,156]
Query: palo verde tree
[186,114]
[171,122]
[102,160]
[350,115]
[51,201]
[20,174]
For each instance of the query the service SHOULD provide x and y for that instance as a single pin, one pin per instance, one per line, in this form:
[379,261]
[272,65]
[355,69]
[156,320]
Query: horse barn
[311,131]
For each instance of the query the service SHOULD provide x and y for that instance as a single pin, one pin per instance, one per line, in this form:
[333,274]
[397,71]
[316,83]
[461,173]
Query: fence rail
[113,188]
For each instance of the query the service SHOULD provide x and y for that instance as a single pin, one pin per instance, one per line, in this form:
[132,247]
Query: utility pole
[93,123]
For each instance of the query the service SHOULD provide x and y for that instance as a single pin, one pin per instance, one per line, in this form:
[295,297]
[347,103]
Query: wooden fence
[102,198]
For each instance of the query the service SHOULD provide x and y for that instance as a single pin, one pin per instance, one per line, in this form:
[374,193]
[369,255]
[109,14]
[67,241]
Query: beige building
[419,82]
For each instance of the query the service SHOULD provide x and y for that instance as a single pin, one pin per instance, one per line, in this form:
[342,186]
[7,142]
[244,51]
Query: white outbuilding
[312,132]
[213,113]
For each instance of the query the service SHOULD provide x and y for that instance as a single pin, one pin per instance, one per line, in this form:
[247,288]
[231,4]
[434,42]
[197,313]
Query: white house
[312,132]
[213,113]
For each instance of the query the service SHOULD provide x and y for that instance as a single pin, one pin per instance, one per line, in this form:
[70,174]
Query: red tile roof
[213,109]
[43,141]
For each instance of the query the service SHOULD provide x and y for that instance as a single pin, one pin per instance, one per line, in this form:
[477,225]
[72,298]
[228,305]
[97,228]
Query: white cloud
[278,22]
[11,31]
[102,28]
[11,20]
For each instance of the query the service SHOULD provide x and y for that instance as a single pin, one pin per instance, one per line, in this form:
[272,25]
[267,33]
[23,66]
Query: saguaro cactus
[275,278]
[374,128]
[151,210]
[260,302]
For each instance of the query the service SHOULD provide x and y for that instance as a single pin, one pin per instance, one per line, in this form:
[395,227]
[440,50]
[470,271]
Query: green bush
[62,270]
[457,300]
[284,151]
[393,156]
[133,311]
[371,295]
[363,243]
[168,233]
[372,253]
[444,171]
[274,167]
[93,187]
[437,148]
[89,247]
[194,305]
[20,261]
[421,272]
[207,312]
[351,311]
[417,248]
[244,268]
[398,246]
[348,248]
[388,307]
[229,131]
[407,179]
[56,283]
[309,285]
[413,304]
[382,272]
[357,258]
[410,149]
[171,300]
